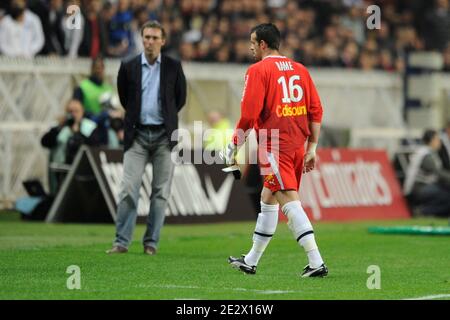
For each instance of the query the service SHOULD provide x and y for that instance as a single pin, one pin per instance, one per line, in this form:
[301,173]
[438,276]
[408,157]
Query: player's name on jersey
[284,65]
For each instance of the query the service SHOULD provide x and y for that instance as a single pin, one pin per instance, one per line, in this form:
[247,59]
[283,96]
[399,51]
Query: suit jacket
[172,91]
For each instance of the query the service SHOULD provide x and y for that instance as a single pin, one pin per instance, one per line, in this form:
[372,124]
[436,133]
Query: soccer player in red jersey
[281,103]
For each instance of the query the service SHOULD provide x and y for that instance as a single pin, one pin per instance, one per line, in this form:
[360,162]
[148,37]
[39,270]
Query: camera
[70,120]
[109,101]
[116,124]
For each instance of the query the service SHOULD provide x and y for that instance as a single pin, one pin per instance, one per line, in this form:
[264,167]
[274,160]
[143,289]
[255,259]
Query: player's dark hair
[153,25]
[269,33]
[428,135]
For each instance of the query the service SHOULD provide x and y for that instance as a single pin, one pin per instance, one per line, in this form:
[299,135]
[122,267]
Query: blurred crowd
[330,33]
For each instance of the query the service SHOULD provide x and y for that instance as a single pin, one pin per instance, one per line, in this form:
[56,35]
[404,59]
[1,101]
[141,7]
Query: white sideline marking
[171,286]
[436,296]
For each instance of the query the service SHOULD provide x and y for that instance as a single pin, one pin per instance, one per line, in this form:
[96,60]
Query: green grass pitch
[191,263]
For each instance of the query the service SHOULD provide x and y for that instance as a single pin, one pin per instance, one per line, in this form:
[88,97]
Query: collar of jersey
[274,57]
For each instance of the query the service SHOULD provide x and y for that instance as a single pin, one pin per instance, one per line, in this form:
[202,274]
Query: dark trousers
[434,200]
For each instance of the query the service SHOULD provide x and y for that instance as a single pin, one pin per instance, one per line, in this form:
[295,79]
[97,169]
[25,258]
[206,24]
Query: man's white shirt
[24,39]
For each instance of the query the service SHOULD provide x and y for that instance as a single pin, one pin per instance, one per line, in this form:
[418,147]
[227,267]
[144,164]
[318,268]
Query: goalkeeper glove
[229,154]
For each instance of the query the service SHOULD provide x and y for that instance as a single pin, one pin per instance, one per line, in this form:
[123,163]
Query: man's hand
[229,154]
[309,161]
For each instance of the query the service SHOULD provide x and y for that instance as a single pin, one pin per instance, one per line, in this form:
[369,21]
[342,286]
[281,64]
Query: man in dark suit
[152,89]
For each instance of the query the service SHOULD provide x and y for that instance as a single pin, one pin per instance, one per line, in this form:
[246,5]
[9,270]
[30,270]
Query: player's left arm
[251,104]
[315,112]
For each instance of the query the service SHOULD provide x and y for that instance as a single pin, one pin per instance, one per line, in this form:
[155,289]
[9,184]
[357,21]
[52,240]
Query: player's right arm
[315,112]
[313,140]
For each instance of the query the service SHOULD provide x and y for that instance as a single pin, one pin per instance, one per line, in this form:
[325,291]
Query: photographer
[100,103]
[65,139]
[109,121]
[427,183]
[91,91]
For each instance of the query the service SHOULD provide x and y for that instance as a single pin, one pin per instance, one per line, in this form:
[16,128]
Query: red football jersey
[278,94]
